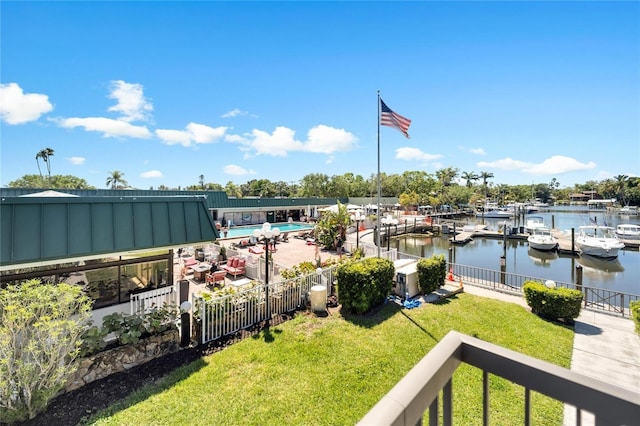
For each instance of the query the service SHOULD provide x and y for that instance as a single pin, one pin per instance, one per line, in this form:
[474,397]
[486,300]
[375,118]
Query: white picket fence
[143,302]
[228,314]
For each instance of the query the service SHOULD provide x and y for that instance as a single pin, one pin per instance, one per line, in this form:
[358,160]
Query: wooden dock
[462,238]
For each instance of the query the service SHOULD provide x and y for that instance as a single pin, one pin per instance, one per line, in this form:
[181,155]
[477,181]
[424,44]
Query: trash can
[318,298]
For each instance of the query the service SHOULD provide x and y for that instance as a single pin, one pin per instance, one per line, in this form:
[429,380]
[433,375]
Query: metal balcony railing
[431,379]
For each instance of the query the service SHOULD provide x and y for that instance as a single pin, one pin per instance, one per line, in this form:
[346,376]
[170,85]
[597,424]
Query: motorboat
[599,241]
[628,231]
[492,211]
[541,239]
[533,223]
[628,210]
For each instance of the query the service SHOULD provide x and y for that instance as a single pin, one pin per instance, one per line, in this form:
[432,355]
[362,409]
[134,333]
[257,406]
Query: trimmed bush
[635,314]
[365,284]
[552,303]
[431,273]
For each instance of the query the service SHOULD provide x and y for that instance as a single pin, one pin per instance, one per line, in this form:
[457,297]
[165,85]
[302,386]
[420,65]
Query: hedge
[431,273]
[552,303]
[635,314]
[365,284]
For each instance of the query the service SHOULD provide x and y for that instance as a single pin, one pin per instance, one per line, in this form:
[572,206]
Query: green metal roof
[214,199]
[36,229]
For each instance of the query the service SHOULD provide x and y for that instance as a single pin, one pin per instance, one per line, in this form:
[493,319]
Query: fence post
[579,279]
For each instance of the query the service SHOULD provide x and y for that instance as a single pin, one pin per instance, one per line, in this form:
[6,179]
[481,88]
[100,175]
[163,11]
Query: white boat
[629,210]
[628,231]
[492,211]
[599,241]
[533,223]
[541,239]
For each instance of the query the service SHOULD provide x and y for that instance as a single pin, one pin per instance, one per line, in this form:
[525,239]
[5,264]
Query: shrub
[363,285]
[635,314]
[431,273]
[130,328]
[39,341]
[552,303]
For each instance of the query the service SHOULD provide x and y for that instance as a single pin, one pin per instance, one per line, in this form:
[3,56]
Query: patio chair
[213,278]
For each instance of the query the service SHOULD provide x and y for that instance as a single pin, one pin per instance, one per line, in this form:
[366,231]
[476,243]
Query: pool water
[246,231]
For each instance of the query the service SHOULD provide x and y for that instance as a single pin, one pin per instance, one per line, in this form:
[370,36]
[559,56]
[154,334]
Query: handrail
[411,397]
[598,299]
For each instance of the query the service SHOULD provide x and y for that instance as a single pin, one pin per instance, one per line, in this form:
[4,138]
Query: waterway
[621,274]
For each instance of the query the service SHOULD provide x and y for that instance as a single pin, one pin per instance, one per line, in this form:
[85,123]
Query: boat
[598,241]
[628,231]
[541,239]
[533,223]
[492,211]
[629,210]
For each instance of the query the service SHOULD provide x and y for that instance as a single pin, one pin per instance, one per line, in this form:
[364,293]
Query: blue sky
[167,91]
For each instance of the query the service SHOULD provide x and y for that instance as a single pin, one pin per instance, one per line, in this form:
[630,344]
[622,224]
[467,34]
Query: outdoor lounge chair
[256,250]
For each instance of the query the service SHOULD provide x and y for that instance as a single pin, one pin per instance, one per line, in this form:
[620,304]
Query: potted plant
[222,255]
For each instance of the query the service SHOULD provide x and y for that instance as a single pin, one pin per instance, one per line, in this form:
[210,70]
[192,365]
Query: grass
[332,370]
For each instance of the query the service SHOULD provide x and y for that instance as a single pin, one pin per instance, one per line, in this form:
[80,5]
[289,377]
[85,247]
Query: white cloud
[330,159]
[131,101]
[77,161]
[108,127]
[558,164]
[16,107]
[320,139]
[234,113]
[477,151]
[151,174]
[194,134]
[504,164]
[553,165]
[415,154]
[232,169]
[327,140]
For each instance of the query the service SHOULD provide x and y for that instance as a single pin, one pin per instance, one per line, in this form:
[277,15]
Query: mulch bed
[76,406]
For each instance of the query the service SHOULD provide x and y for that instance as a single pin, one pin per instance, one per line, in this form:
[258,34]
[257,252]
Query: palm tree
[116,180]
[621,181]
[484,176]
[38,156]
[470,177]
[47,159]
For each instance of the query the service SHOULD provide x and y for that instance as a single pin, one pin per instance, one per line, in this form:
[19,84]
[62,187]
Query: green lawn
[331,371]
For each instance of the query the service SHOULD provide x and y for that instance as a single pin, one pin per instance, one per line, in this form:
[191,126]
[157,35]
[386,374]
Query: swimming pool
[246,231]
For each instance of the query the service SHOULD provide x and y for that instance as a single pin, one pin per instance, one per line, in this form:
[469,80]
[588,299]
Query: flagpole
[378,211]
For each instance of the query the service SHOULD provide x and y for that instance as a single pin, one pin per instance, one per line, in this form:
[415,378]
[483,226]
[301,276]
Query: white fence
[228,314]
[142,302]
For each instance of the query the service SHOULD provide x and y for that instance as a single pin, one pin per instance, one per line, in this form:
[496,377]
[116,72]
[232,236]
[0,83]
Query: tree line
[446,186]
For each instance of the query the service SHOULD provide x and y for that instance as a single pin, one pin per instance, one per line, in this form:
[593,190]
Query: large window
[106,281]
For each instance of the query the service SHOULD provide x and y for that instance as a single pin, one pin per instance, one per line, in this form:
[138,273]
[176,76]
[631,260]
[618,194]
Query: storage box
[407,280]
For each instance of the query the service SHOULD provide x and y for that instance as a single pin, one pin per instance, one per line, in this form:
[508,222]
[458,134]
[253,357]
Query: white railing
[142,302]
[227,314]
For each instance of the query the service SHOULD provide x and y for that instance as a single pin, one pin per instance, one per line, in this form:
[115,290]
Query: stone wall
[121,358]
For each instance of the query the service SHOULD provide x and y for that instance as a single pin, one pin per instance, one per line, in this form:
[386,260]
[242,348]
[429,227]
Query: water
[621,274]
[246,231]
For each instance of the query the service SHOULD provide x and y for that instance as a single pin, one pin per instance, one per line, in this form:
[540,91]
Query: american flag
[392,119]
